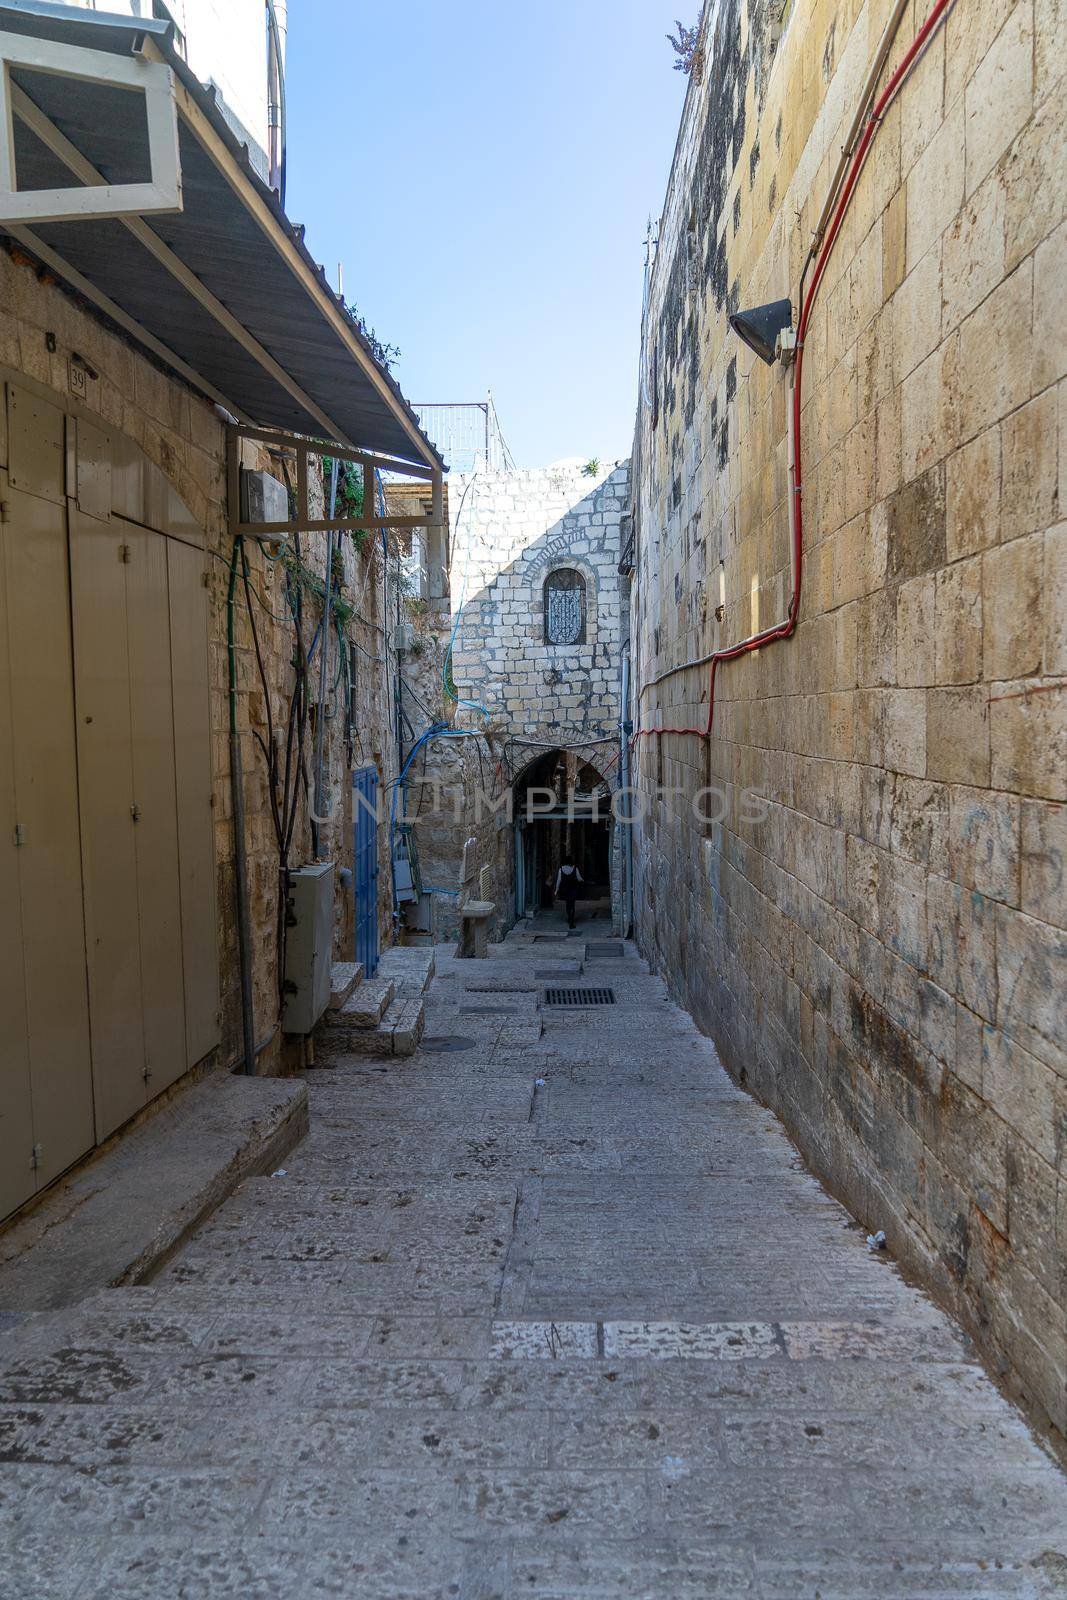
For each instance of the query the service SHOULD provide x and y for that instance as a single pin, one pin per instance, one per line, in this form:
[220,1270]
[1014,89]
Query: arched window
[565,607]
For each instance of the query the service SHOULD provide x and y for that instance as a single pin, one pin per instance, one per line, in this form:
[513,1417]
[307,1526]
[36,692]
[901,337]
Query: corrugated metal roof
[232,233]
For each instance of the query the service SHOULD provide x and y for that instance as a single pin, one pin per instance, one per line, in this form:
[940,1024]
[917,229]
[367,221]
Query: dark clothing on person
[568,879]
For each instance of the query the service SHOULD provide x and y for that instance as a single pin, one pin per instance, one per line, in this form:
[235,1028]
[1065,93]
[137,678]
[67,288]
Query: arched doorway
[562,806]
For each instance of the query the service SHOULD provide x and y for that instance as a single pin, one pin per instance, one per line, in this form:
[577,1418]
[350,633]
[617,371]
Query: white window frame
[154,80]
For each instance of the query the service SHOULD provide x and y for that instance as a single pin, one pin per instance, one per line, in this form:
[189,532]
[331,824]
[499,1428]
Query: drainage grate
[579,997]
[599,948]
[486,1011]
[446,1044]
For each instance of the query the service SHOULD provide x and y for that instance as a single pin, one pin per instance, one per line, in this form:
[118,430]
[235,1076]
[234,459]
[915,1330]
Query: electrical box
[308,946]
[403,637]
[420,917]
[263,499]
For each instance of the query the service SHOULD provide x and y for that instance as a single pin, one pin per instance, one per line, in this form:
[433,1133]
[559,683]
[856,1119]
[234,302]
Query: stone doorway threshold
[120,1215]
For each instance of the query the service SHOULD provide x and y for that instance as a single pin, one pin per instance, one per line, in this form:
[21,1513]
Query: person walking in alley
[567,880]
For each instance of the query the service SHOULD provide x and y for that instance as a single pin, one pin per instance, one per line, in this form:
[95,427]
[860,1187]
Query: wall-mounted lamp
[764,329]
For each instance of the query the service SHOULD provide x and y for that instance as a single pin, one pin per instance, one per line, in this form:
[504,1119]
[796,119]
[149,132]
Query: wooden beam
[73,159]
[63,269]
[280,240]
[155,79]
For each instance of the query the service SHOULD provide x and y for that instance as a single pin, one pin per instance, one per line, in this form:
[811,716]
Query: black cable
[268,748]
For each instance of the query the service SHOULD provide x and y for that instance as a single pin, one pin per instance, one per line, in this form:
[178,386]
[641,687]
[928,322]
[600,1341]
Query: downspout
[240,858]
[276,97]
[625,818]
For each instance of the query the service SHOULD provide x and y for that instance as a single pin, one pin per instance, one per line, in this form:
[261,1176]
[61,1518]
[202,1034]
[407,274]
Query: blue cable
[438,730]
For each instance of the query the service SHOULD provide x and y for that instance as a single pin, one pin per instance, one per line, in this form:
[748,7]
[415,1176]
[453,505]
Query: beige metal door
[17,1175]
[98,559]
[156,830]
[55,1039]
[108,968]
[192,761]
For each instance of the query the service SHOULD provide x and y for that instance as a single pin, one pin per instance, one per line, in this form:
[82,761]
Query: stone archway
[562,805]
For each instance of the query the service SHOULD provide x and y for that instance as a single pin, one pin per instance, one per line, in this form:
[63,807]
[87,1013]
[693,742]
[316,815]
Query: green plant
[592,467]
[341,609]
[349,486]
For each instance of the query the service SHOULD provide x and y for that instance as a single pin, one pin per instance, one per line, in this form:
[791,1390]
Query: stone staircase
[378,1016]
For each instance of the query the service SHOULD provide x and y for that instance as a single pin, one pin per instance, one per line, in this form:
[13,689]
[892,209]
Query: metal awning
[222,289]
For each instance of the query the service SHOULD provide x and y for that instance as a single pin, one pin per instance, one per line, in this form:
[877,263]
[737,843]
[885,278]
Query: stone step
[365,1006]
[397,1034]
[118,1216]
[411,967]
[344,977]
[408,1022]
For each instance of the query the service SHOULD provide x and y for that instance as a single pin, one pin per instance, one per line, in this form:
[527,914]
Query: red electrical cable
[783,629]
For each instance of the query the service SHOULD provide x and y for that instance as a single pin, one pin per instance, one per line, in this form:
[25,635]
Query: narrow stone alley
[550,1308]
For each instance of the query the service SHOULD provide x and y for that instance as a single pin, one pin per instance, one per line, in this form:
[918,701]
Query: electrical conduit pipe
[240,858]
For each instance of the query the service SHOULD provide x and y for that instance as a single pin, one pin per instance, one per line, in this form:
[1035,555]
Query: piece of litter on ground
[876,1241]
[539,1083]
[281,1173]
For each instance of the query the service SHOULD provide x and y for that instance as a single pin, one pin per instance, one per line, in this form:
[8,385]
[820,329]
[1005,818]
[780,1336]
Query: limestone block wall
[881,958]
[452,782]
[184,436]
[509,531]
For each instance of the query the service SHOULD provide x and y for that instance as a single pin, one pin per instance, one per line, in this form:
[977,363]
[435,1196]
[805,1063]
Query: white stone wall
[509,531]
[225,43]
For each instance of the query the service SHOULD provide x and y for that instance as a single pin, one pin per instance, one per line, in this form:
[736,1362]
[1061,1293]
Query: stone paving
[548,1309]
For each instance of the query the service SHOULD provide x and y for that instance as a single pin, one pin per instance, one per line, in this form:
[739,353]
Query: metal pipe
[244,928]
[626,818]
[276,102]
[240,857]
[324,660]
[238,1062]
[870,84]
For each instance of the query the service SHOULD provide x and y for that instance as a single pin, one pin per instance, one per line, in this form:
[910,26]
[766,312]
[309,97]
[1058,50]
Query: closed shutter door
[98,552]
[17,1175]
[46,1031]
[156,830]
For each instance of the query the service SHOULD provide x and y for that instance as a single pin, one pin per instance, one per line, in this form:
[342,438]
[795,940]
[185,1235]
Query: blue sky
[484,172]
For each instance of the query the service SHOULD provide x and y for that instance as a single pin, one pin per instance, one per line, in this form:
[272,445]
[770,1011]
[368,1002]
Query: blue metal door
[365,862]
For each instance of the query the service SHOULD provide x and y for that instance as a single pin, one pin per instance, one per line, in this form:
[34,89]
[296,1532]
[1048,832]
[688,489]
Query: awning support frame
[163,191]
[303,521]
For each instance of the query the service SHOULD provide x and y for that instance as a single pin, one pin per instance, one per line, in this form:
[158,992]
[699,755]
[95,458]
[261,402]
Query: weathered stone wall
[508,532]
[882,958]
[452,782]
[184,436]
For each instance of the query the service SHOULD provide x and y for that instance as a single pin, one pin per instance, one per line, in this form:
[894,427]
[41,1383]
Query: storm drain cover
[599,948]
[486,1011]
[573,970]
[579,997]
[445,1044]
